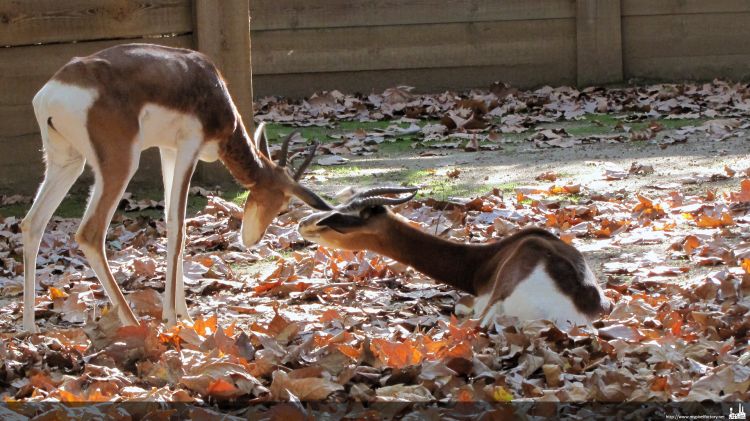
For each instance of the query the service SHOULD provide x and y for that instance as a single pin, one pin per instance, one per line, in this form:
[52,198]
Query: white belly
[536,297]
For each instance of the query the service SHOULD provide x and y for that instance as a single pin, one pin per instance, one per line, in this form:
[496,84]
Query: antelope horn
[376,201]
[285,148]
[306,162]
[260,139]
[379,191]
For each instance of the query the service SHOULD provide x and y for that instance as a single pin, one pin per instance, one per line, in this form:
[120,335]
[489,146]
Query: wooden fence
[39,36]
[300,47]
[360,45]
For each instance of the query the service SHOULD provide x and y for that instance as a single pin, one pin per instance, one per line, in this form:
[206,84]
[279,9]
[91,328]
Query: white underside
[534,298]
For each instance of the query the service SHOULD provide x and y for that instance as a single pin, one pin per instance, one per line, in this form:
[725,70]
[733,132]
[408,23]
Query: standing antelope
[105,109]
[530,275]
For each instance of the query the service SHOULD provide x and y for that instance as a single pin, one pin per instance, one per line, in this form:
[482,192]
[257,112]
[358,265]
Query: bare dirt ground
[695,166]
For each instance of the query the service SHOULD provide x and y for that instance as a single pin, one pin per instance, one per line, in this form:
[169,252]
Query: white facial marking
[251,230]
[537,297]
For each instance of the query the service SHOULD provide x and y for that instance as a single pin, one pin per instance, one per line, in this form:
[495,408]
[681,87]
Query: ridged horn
[379,191]
[285,148]
[308,159]
[364,202]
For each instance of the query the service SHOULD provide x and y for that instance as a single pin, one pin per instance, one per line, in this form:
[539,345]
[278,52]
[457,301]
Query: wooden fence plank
[708,67]
[686,35]
[223,33]
[41,21]
[22,170]
[21,77]
[414,46]
[295,14]
[599,42]
[524,75]
[671,7]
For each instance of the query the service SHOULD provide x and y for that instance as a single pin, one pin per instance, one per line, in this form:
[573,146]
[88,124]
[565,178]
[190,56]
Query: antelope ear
[340,222]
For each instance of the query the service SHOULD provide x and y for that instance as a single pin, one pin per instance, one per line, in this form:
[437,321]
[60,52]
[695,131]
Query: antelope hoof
[29,327]
[172,319]
[127,318]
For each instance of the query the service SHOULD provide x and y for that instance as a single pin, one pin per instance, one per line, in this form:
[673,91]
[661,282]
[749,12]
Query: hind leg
[113,171]
[63,168]
[168,165]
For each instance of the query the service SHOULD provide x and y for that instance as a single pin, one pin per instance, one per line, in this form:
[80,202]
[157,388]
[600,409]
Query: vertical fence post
[222,31]
[599,42]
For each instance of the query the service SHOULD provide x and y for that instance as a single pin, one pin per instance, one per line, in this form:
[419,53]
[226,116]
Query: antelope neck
[462,266]
[242,159]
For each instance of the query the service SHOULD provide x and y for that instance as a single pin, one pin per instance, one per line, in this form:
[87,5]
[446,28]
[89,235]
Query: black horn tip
[361,202]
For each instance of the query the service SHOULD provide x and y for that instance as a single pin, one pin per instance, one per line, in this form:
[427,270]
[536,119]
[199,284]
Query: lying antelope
[530,275]
[105,109]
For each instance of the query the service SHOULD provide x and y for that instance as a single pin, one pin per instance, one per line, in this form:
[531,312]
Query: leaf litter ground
[357,330]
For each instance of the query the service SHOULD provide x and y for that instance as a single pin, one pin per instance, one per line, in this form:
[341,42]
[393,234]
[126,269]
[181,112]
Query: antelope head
[271,194]
[357,224]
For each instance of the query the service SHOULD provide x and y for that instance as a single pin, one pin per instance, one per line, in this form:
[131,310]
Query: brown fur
[494,268]
[132,75]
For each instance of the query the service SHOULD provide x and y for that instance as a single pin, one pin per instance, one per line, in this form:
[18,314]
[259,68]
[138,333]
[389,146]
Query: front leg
[175,307]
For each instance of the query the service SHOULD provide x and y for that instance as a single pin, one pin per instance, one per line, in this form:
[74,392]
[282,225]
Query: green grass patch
[74,204]
[398,147]
[277,132]
[602,124]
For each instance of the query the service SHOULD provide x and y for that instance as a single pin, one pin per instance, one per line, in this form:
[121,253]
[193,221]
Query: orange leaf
[572,188]
[567,237]
[744,194]
[171,336]
[330,315]
[229,331]
[205,327]
[677,328]
[746,265]
[465,395]
[433,347]
[42,381]
[394,354]
[706,221]
[97,396]
[556,190]
[350,351]
[266,286]
[57,293]
[659,384]
[461,350]
[321,339]
[66,396]
[221,387]
[691,242]
[467,330]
